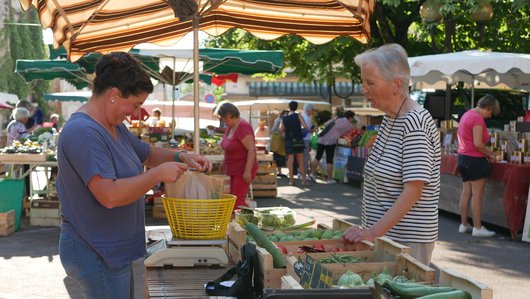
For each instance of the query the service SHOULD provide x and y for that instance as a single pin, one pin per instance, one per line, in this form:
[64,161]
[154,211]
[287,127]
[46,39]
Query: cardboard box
[7,223]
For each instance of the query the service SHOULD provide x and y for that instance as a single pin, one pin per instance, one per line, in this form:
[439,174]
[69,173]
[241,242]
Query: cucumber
[278,260]
[414,290]
[456,294]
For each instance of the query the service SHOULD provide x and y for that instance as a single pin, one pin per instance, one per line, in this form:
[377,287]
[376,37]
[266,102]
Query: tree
[397,21]
[23,42]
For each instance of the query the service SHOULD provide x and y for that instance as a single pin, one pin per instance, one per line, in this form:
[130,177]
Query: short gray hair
[20,113]
[225,107]
[308,107]
[391,60]
[489,102]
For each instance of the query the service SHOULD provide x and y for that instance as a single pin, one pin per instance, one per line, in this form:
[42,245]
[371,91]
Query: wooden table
[32,160]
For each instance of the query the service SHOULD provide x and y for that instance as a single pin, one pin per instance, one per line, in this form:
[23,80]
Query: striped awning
[117,25]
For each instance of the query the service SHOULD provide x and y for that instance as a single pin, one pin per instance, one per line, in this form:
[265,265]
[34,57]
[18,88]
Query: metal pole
[472,91]
[196,111]
[173,93]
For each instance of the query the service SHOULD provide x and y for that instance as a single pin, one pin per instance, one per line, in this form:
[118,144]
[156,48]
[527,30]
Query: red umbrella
[6,106]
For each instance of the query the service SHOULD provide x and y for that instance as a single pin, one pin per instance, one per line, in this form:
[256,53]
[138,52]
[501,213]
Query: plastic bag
[195,185]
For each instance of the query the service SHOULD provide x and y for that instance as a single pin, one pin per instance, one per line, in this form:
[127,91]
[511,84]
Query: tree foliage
[398,21]
[24,42]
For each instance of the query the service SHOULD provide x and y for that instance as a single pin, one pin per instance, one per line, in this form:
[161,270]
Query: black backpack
[248,285]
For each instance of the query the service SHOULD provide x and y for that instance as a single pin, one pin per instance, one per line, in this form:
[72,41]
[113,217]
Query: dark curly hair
[123,71]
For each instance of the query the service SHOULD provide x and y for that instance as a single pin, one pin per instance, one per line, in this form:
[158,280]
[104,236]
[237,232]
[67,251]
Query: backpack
[248,285]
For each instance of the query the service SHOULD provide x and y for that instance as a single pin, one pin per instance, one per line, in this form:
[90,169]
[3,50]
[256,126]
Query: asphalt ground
[30,265]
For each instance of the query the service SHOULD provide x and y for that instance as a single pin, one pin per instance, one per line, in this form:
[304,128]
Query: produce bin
[11,195]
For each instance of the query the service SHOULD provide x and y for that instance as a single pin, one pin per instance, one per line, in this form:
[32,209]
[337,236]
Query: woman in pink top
[473,155]
[238,143]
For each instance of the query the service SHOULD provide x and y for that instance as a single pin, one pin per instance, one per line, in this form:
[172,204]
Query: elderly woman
[240,162]
[101,183]
[473,155]
[402,172]
[16,129]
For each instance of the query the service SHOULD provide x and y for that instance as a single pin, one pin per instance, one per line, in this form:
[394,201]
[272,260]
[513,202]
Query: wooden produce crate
[454,279]
[289,283]
[272,276]
[265,184]
[237,237]
[7,223]
[325,275]
[44,217]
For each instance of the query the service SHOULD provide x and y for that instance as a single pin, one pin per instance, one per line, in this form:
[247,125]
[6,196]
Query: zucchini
[456,294]
[278,260]
[413,290]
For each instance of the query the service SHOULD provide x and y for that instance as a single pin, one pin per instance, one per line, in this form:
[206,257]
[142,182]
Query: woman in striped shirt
[402,172]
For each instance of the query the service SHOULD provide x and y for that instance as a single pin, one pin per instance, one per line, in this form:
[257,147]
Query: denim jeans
[91,273]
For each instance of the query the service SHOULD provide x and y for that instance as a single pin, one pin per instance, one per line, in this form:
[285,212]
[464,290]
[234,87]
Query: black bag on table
[247,285]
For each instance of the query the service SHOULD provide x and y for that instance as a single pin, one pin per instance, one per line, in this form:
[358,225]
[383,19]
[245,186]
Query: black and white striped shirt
[407,149]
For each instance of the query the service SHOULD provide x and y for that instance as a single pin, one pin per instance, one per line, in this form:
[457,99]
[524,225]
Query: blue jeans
[92,274]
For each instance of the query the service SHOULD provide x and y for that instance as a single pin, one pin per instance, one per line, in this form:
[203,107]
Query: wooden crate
[289,283]
[7,223]
[265,183]
[44,217]
[454,279]
[404,265]
[237,237]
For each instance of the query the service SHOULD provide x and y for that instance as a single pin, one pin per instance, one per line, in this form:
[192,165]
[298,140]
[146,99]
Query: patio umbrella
[50,69]
[493,69]
[118,25]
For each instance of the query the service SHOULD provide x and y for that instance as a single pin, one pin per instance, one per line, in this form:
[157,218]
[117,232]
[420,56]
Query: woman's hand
[171,171]
[247,177]
[356,234]
[198,162]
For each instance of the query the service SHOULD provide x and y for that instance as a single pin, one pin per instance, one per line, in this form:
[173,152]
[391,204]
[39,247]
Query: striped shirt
[407,149]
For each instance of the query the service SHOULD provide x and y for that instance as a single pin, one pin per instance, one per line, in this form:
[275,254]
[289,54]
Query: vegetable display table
[507,190]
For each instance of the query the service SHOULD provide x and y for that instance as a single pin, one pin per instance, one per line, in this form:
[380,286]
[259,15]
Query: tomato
[319,247]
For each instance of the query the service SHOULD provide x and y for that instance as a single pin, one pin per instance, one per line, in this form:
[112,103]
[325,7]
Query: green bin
[11,195]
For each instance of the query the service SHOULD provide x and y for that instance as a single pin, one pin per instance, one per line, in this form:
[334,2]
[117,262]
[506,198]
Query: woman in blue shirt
[101,181]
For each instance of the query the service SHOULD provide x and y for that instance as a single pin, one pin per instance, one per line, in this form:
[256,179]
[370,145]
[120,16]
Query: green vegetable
[414,290]
[383,276]
[350,280]
[456,294]
[342,259]
[260,237]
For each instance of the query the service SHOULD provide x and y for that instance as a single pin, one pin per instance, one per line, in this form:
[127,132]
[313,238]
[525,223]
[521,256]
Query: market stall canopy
[50,69]
[8,98]
[74,96]
[472,67]
[214,61]
[268,105]
[118,25]
[5,106]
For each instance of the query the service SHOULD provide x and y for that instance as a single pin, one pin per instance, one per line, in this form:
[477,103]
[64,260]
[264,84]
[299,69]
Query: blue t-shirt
[86,149]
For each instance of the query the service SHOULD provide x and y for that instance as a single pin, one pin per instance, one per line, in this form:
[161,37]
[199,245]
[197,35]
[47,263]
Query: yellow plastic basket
[199,219]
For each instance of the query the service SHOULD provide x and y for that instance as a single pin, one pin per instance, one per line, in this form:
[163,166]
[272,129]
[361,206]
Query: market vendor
[16,129]
[101,183]
[402,172]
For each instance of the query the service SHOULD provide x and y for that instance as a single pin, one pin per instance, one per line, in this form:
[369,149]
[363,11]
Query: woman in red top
[473,155]
[238,143]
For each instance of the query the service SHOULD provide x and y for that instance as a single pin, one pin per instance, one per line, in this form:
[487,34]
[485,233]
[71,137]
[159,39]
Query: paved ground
[30,266]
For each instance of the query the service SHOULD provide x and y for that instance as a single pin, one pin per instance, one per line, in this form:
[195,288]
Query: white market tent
[491,69]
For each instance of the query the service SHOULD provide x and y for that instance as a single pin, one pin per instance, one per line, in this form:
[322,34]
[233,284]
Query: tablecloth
[516,179]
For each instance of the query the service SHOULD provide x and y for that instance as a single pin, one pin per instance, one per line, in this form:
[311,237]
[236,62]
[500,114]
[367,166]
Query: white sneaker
[464,228]
[331,182]
[313,177]
[482,232]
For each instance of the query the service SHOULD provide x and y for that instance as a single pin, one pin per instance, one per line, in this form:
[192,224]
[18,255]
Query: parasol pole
[196,114]
[472,91]
[173,95]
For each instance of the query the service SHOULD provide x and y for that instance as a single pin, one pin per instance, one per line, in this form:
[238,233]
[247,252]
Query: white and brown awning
[117,25]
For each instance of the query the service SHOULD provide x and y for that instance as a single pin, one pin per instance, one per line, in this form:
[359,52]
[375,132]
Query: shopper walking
[307,115]
[473,155]
[101,182]
[402,172]
[328,141]
[292,126]
[240,161]
[278,144]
